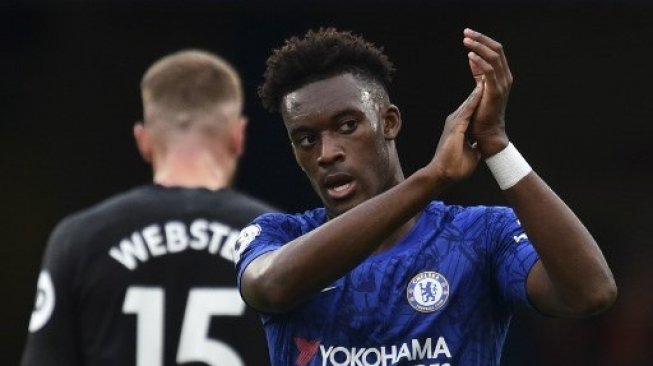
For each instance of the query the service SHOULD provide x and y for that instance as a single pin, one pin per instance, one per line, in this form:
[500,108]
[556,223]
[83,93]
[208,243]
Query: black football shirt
[147,278]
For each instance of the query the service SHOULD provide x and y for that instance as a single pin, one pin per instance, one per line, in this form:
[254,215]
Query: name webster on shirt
[175,237]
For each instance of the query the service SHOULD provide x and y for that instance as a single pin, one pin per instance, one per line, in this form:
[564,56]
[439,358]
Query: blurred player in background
[147,278]
[383,274]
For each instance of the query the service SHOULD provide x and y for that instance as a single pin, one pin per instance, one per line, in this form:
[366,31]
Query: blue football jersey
[443,295]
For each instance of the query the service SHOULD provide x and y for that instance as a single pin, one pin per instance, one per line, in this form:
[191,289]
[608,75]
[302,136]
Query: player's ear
[237,134]
[143,141]
[391,122]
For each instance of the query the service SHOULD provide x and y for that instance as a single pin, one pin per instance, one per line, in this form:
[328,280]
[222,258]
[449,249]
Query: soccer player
[147,277]
[385,274]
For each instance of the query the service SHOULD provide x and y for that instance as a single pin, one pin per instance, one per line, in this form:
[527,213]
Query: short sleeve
[52,337]
[513,256]
[265,234]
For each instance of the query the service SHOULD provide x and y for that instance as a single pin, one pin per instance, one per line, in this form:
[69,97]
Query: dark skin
[344,141]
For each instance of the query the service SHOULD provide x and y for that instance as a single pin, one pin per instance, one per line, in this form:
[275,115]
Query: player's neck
[397,235]
[193,169]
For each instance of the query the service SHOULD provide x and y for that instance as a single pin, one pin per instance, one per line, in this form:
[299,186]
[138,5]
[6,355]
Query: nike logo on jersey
[328,288]
[520,237]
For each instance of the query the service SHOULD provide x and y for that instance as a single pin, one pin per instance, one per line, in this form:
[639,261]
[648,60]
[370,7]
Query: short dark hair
[319,55]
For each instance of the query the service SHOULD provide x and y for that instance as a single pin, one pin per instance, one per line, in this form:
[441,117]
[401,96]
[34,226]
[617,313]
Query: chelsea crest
[427,292]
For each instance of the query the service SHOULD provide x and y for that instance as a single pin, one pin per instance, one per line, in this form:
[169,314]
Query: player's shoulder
[155,198]
[78,226]
[304,221]
[244,202]
[157,203]
[460,213]
[111,206]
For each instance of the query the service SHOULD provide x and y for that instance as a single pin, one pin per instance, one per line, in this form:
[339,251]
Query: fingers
[487,56]
[467,108]
[460,118]
[477,71]
[457,122]
[483,72]
[487,47]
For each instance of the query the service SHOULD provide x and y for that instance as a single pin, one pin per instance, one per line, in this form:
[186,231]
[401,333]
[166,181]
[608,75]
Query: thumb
[476,70]
[459,120]
[468,107]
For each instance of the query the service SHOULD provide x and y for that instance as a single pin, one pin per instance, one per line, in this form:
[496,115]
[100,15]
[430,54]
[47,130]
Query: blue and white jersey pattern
[443,295]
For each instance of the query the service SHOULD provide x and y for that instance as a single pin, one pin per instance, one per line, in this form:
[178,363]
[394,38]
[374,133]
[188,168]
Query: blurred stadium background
[581,111]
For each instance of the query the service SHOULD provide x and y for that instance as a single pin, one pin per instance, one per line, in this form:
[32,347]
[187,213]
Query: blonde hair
[189,83]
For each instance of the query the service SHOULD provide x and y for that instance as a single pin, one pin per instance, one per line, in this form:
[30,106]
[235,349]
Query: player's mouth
[339,185]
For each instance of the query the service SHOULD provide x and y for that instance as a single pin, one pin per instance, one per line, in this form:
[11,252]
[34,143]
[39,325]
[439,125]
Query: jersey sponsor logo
[427,292]
[247,235]
[416,352]
[307,350]
[175,237]
[44,304]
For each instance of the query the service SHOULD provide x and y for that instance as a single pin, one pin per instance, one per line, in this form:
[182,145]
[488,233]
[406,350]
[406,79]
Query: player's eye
[305,140]
[348,126]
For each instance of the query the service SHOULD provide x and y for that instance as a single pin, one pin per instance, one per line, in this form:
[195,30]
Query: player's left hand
[487,62]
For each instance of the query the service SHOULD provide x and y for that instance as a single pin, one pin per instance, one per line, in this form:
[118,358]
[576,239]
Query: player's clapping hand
[489,65]
[454,158]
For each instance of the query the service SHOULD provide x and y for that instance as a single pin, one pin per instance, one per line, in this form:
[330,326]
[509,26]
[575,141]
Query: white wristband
[508,166]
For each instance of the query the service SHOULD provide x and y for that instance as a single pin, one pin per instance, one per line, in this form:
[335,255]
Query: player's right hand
[454,158]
